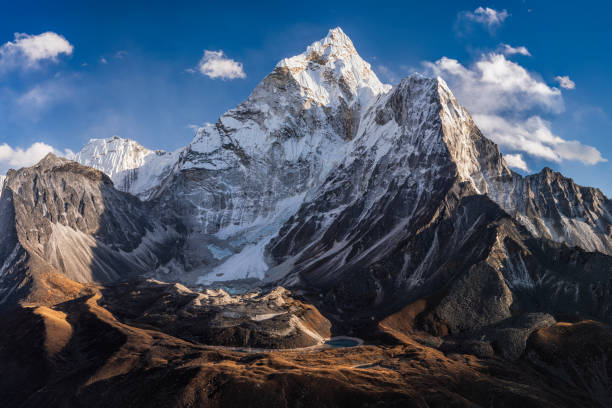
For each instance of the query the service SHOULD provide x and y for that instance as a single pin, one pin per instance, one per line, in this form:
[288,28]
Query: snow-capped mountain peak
[331,68]
[132,167]
[113,155]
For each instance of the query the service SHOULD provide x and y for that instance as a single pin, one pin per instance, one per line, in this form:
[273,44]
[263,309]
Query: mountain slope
[65,220]
[552,206]
[405,216]
[242,177]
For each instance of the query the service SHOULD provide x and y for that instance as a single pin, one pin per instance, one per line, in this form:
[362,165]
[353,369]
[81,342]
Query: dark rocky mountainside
[60,220]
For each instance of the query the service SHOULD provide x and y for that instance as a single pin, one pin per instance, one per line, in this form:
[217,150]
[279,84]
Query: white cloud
[18,157]
[516,161]
[103,60]
[507,102]
[509,50]
[494,84]
[121,54]
[534,137]
[29,50]
[214,64]
[486,16]
[565,82]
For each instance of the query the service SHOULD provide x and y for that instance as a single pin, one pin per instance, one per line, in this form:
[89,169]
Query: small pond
[341,342]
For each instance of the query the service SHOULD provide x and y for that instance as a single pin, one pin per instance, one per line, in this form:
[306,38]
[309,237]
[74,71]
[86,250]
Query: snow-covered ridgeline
[132,167]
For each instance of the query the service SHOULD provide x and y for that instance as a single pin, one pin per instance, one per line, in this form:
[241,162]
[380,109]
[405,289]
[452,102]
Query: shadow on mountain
[67,227]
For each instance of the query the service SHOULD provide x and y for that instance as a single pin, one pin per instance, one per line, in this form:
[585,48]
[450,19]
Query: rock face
[59,217]
[554,207]
[271,320]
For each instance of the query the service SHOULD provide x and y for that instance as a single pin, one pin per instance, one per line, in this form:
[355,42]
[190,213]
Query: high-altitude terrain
[326,204]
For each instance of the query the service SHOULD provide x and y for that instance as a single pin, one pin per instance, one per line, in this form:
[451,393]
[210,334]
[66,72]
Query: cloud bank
[507,103]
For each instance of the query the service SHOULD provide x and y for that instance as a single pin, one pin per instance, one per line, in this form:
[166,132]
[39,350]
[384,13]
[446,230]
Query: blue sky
[133,69]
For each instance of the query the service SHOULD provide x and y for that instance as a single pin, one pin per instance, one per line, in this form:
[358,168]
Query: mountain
[325,204]
[316,181]
[321,120]
[63,221]
[132,167]
[552,206]
[243,177]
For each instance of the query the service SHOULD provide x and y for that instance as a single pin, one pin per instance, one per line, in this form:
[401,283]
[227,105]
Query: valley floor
[78,353]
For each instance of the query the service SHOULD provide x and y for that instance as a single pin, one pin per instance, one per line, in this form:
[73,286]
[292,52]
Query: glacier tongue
[132,167]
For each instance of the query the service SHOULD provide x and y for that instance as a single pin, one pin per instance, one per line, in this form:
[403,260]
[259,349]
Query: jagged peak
[335,45]
[113,139]
[51,160]
[333,62]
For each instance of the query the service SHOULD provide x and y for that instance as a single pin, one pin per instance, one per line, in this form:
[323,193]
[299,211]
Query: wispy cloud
[214,64]
[41,97]
[387,74]
[509,50]
[507,102]
[565,82]
[485,16]
[28,51]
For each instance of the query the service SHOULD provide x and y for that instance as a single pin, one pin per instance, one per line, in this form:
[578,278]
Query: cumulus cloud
[509,50]
[534,136]
[516,161]
[486,16]
[16,157]
[507,103]
[214,64]
[29,50]
[495,83]
[565,82]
